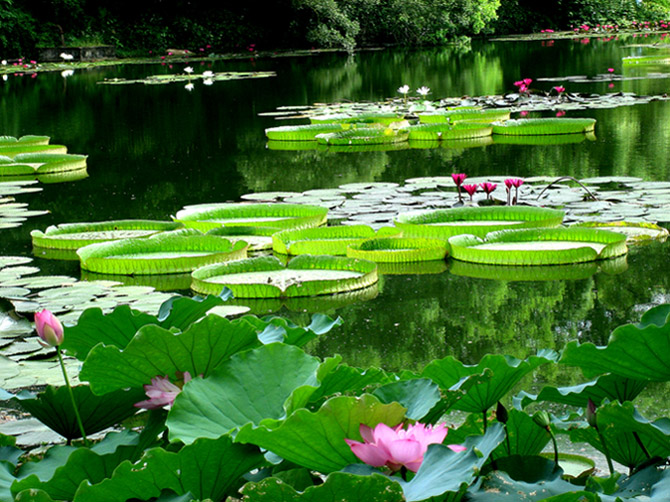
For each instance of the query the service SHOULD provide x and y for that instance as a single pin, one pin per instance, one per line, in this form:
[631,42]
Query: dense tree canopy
[160,24]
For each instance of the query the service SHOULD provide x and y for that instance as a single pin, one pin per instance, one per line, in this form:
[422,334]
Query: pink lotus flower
[471,189]
[459,178]
[397,447]
[559,89]
[162,392]
[611,70]
[488,188]
[48,328]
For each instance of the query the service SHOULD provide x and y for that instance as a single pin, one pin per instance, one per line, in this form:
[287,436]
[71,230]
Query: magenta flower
[611,70]
[512,183]
[488,188]
[397,447]
[560,113]
[527,81]
[49,329]
[523,113]
[559,89]
[459,178]
[471,189]
[161,392]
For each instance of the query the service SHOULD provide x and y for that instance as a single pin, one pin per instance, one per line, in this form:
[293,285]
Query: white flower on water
[207,74]
[423,90]
[4,62]
[66,73]
[66,57]
[208,81]
[404,89]
[188,69]
[4,77]
[189,86]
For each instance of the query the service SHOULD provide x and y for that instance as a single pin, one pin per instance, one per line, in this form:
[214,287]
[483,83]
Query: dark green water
[154,149]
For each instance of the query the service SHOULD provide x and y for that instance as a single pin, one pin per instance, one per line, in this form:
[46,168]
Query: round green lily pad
[399,249]
[539,246]
[444,223]
[164,253]
[266,277]
[76,235]
[209,216]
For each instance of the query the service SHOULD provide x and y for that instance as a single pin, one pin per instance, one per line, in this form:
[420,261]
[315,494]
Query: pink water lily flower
[559,89]
[161,392]
[512,183]
[488,188]
[471,189]
[459,178]
[397,447]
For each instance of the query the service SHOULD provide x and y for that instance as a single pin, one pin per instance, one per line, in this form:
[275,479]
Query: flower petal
[456,447]
[406,451]
[368,453]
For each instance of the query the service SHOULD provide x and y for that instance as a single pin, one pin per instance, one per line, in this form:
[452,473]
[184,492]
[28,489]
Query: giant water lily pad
[634,232]
[209,216]
[76,235]
[444,223]
[208,78]
[464,114]
[258,238]
[541,246]
[301,132]
[399,250]
[266,277]
[167,252]
[324,240]
[460,130]
[364,136]
[542,126]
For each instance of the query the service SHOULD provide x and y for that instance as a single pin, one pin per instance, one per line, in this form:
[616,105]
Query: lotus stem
[641,444]
[606,451]
[74,403]
[567,178]
[553,440]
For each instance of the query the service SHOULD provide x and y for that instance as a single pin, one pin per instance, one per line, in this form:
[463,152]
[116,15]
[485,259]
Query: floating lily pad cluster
[468,125]
[32,156]
[13,213]
[207,77]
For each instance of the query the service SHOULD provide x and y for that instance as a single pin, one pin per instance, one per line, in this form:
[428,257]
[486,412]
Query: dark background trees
[141,25]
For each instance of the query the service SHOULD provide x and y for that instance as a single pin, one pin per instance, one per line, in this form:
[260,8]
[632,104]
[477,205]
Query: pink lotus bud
[48,328]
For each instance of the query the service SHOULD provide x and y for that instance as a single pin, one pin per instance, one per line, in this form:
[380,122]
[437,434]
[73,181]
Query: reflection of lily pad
[539,246]
[209,216]
[551,139]
[266,277]
[444,223]
[399,249]
[575,271]
[165,253]
[76,235]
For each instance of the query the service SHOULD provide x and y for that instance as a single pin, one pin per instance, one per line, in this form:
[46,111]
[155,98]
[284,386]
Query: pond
[156,148]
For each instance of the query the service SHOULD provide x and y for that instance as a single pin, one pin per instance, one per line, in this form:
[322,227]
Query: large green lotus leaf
[619,423]
[500,487]
[6,480]
[264,383]
[506,372]
[610,387]
[53,407]
[156,351]
[338,487]
[525,436]
[278,329]
[182,311]
[633,351]
[62,469]
[32,495]
[659,315]
[114,329]
[339,378]
[315,440]
[208,469]
[418,396]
